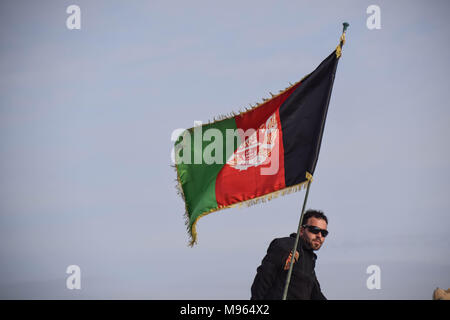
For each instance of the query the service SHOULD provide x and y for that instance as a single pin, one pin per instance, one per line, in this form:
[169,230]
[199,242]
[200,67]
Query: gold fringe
[180,192]
[252,107]
[249,203]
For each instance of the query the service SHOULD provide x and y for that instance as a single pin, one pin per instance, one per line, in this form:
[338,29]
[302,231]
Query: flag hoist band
[268,150]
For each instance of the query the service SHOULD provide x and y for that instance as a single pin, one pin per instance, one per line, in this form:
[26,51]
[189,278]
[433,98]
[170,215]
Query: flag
[269,150]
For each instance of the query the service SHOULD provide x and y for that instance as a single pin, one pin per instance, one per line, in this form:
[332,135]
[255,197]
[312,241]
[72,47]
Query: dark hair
[313,213]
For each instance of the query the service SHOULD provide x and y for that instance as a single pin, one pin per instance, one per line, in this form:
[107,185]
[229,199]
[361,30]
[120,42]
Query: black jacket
[271,275]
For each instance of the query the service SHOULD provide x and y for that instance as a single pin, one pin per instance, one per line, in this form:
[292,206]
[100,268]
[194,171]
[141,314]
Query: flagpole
[309,177]
[288,278]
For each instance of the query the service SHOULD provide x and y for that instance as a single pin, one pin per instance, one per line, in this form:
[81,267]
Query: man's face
[315,241]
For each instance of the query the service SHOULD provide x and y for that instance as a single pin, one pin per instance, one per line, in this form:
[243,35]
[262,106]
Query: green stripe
[199,180]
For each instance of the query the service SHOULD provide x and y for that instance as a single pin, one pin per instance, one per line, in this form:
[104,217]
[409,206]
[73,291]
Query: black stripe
[302,117]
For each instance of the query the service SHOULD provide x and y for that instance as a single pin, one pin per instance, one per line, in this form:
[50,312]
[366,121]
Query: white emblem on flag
[257,147]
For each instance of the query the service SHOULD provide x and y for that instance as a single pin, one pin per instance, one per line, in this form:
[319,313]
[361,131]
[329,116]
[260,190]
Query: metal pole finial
[346,25]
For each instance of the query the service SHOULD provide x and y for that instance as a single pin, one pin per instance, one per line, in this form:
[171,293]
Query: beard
[312,244]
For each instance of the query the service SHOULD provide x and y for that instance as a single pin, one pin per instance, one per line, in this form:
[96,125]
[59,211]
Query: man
[271,274]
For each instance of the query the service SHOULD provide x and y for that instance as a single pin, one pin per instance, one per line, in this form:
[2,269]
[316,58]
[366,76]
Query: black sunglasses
[316,230]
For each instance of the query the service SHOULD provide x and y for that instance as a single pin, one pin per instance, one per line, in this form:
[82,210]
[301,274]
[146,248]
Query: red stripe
[238,182]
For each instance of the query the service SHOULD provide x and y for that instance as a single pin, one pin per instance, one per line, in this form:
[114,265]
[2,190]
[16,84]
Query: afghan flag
[258,154]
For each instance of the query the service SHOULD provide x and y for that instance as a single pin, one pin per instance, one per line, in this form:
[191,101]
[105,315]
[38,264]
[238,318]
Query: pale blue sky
[86,118]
